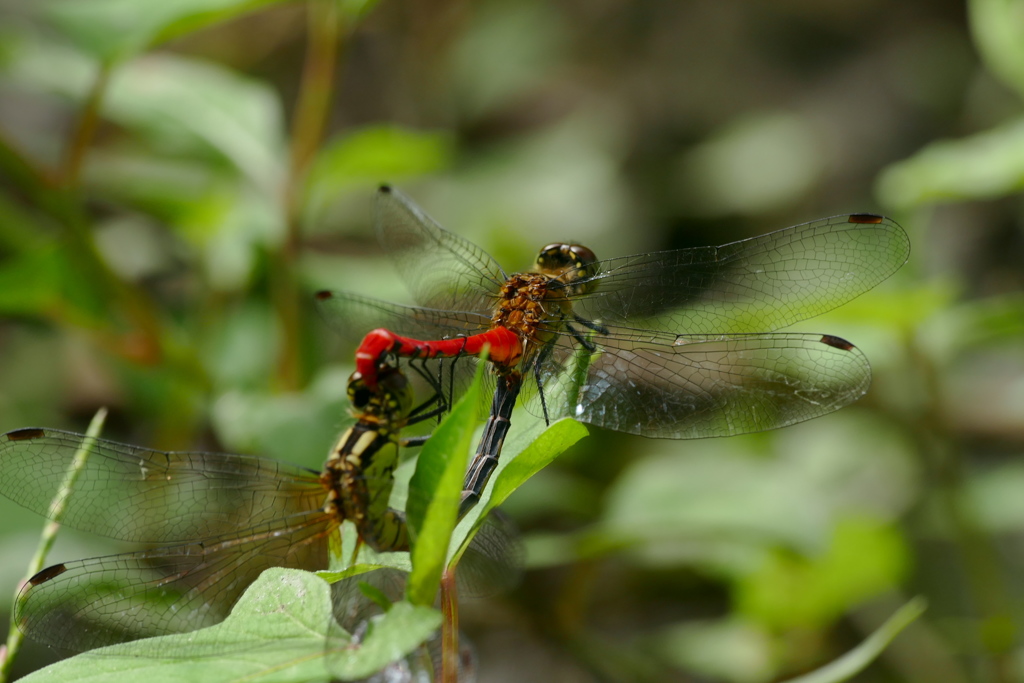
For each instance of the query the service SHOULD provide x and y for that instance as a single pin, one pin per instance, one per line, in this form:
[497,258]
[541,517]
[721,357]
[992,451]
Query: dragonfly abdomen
[359,475]
[486,458]
[505,349]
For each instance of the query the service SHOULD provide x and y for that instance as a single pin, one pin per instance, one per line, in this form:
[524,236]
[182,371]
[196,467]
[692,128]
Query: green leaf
[195,106]
[184,108]
[112,30]
[857,659]
[725,503]
[31,283]
[356,8]
[993,495]
[982,166]
[526,452]
[977,326]
[726,649]
[434,493]
[998,29]
[864,559]
[47,281]
[164,187]
[523,463]
[20,229]
[754,165]
[354,570]
[281,630]
[377,152]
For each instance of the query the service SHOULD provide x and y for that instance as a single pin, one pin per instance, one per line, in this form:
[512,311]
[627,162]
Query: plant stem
[49,535]
[449,628]
[317,84]
[311,112]
[88,120]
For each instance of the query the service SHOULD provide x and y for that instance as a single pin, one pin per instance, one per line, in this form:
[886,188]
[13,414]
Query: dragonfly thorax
[526,302]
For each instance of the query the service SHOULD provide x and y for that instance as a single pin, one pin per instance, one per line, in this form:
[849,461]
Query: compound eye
[358,393]
[393,381]
[555,257]
[584,256]
[360,396]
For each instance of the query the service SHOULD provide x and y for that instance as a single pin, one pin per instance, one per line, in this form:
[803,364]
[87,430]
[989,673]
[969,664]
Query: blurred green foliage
[178,177]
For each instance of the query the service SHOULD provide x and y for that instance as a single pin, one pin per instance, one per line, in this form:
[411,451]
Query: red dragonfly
[672,344]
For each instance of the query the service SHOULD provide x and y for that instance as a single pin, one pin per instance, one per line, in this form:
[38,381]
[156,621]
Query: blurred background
[178,178]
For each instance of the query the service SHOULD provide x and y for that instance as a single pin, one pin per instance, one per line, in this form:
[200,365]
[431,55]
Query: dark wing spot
[47,574]
[868,218]
[384,189]
[26,434]
[836,342]
[323,294]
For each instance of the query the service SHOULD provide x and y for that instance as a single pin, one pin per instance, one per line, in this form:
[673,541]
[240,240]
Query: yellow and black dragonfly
[219,519]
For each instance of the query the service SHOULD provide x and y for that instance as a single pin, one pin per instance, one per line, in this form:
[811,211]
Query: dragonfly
[669,344]
[226,517]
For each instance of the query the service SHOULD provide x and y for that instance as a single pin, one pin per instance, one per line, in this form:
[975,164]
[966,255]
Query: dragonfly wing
[352,316]
[441,270]
[142,495]
[493,561]
[691,387]
[755,285]
[91,603]
[351,606]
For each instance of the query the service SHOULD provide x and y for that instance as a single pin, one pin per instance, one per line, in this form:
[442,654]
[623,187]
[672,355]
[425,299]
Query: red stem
[449,628]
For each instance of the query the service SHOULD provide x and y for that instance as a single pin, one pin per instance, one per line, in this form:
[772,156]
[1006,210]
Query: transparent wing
[143,495]
[352,316]
[441,270]
[690,386]
[493,561]
[755,285]
[352,608]
[81,605]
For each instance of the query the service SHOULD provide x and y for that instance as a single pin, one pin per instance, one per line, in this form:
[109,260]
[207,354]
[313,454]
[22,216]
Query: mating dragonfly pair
[674,344]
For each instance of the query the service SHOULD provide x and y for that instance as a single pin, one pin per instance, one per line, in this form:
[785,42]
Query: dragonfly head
[570,264]
[392,399]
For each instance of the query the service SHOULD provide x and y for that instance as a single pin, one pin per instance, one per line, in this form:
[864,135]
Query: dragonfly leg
[418,414]
[486,458]
[451,380]
[437,400]
[580,339]
[428,409]
[545,353]
[590,324]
